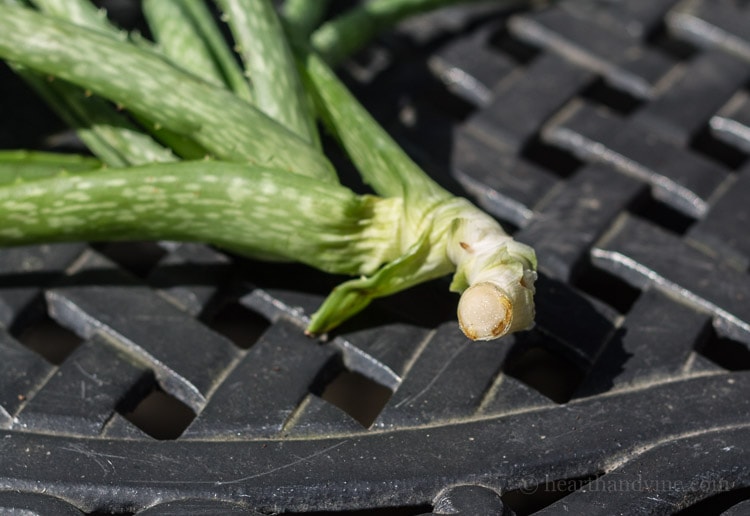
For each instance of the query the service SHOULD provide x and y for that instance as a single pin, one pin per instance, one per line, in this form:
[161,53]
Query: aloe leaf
[81,12]
[341,37]
[215,118]
[111,123]
[107,133]
[382,163]
[270,65]
[93,126]
[18,165]
[186,33]
[301,17]
[180,40]
[252,210]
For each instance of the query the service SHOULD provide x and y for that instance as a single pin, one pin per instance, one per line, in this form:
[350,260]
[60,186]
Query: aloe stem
[438,233]
[215,118]
[428,210]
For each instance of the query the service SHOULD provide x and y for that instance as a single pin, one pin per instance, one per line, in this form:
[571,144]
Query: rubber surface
[162,378]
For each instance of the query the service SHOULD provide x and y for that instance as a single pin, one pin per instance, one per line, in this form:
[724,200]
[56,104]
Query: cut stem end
[485,312]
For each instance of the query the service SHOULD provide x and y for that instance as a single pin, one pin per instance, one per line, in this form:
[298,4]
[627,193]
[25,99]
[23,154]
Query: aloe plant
[188,146]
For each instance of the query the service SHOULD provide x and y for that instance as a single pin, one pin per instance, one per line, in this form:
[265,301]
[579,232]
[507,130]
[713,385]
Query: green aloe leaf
[185,32]
[225,125]
[252,210]
[270,65]
[17,165]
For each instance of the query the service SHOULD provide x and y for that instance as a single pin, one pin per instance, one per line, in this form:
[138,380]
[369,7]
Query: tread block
[686,105]
[146,326]
[732,123]
[24,271]
[265,387]
[502,183]
[512,394]
[724,228]
[84,391]
[656,342]
[21,372]
[709,23]
[682,179]
[570,221]
[605,49]
[470,67]
[437,387]
[636,18]
[523,102]
[370,351]
[191,274]
[645,255]
[318,417]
